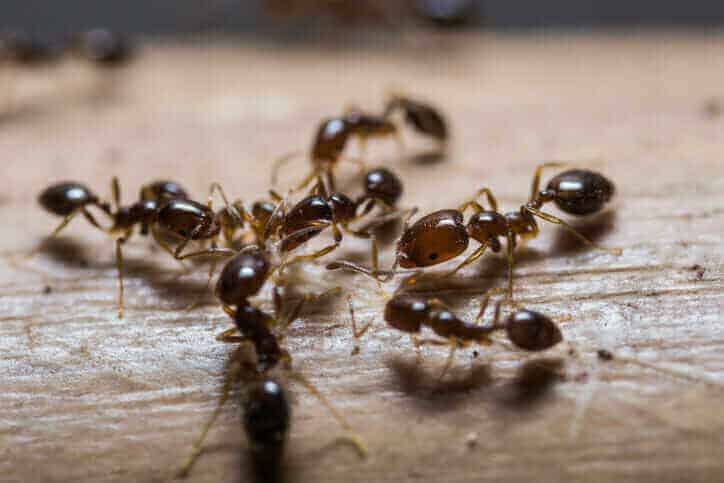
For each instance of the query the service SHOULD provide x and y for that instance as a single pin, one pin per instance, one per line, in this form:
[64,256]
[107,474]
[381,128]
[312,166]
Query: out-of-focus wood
[87,397]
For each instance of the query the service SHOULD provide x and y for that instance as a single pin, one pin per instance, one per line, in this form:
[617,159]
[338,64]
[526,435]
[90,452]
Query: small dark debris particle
[712,108]
[699,270]
[84,264]
[47,289]
[355,350]
[604,355]
[476,353]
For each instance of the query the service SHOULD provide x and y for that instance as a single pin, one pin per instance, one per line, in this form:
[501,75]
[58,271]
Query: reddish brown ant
[442,235]
[423,118]
[243,277]
[331,139]
[526,329]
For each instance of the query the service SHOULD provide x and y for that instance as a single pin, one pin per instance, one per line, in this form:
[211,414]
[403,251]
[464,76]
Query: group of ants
[259,243]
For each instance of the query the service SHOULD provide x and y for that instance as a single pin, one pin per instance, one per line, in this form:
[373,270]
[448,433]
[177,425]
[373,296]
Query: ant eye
[433,256]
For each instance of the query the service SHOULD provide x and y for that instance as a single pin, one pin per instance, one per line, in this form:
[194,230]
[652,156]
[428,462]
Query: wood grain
[87,397]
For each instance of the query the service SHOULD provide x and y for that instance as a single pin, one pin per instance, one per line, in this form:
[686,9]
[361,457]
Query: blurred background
[301,18]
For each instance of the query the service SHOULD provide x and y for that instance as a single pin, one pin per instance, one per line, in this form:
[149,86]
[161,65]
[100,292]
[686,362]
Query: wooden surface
[87,397]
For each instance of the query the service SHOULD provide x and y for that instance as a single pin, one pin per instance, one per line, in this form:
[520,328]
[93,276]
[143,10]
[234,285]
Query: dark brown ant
[442,235]
[424,118]
[23,49]
[331,139]
[255,327]
[163,205]
[103,47]
[526,329]
[267,416]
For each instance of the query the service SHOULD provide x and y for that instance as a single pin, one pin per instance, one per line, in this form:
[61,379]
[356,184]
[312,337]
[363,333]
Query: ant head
[383,184]
[343,208]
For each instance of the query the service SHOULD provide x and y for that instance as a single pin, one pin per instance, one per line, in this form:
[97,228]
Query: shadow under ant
[532,384]
[594,228]
[432,394]
[426,158]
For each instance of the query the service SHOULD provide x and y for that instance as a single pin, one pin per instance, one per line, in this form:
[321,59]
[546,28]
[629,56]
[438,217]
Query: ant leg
[63,223]
[355,332]
[229,206]
[119,264]
[353,438]
[448,362]
[552,219]
[492,201]
[535,185]
[400,144]
[484,304]
[405,227]
[232,376]
[281,161]
[116,192]
[166,247]
[213,251]
[471,258]
[376,275]
[308,179]
[91,219]
[509,247]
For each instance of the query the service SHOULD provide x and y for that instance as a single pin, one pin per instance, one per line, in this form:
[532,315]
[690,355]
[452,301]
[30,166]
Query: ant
[331,139]
[441,236]
[424,118]
[526,329]
[255,327]
[22,48]
[103,47]
[163,205]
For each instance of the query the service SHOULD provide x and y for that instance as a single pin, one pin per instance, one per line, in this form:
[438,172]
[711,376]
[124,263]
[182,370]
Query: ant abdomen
[64,198]
[330,140]
[532,331]
[433,239]
[580,192]
[266,416]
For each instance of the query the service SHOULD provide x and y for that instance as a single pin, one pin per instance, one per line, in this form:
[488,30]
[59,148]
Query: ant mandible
[441,235]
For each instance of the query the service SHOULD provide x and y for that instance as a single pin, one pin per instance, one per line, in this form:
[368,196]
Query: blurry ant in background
[423,118]
[102,47]
[330,141]
[441,235]
[526,329]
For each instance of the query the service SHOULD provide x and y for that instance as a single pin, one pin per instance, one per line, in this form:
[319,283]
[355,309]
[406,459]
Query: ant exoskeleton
[255,327]
[164,205]
[331,139]
[102,47]
[21,48]
[441,236]
[526,329]
[424,118]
